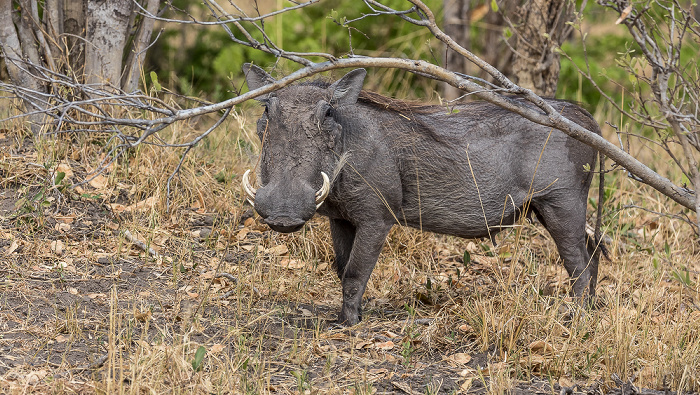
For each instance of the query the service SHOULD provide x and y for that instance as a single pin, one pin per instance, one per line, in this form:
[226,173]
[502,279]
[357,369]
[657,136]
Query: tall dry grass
[506,307]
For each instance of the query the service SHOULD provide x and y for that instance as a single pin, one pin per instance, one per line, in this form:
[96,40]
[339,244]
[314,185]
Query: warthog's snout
[284,206]
[284,224]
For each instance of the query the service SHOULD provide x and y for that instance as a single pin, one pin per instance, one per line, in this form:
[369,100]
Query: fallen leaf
[461,358]
[390,334]
[216,348]
[242,234]
[541,347]
[364,344]
[193,295]
[388,345]
[66,219]
[143,205]
[12,248]
[468,372]
[117,208]
[403,387]
[99,182]
[277,250]
[378,371]
[96,295]
[61,338]
[292,263]
[65,169]
[466,385]
[249,222]
[72,291]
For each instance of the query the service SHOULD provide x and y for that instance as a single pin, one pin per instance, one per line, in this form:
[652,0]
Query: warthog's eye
[329,112]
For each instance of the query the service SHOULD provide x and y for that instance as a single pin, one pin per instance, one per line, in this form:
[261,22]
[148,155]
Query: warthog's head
[301,143]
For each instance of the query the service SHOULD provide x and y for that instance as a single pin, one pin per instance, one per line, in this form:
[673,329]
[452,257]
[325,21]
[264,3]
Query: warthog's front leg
[369,239]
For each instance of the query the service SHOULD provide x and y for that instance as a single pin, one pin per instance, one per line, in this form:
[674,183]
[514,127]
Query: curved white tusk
[248,189]
[322,193]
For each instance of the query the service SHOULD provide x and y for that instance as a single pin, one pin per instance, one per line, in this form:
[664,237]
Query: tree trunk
[541,29]
[107,27]
[18,63]
[456,25]
[78,40]
[74,29]
[134,62]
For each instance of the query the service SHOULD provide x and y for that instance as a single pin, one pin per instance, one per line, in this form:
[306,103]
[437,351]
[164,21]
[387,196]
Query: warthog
[368,162]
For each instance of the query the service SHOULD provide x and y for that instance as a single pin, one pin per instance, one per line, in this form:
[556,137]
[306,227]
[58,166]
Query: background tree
[102,43]
[540,30]
[518,38]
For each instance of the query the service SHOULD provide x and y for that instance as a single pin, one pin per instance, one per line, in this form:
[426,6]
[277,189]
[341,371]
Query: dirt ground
[86,308]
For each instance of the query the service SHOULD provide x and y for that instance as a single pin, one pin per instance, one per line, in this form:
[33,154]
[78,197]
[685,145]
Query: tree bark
[53,27]
[456,25]
[19,63]
[134,62]
[107,28]
[541,29]
[74,29]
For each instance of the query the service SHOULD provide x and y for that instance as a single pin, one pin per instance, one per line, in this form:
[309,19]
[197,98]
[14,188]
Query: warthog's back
[476,163]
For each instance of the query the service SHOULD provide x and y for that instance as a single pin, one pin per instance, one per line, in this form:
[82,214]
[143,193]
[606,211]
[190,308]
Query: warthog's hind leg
[566,224]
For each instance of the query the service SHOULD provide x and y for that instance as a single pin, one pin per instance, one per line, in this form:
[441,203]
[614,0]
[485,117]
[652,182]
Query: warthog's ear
[256,77]
[347,89]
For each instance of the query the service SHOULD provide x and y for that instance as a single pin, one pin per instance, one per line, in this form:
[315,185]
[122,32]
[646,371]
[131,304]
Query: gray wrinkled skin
[417,166]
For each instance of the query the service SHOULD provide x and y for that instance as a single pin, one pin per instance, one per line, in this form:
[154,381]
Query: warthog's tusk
[322,193]
[248,189]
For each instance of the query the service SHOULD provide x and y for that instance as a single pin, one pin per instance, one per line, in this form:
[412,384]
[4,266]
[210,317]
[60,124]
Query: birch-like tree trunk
[99,42]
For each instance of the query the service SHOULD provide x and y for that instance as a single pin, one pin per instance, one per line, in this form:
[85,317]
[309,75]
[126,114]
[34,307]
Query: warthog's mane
[407,108]
[383,102]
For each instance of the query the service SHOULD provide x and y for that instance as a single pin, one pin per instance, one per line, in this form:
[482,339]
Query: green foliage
[603,69]
[198,358]
[209,63]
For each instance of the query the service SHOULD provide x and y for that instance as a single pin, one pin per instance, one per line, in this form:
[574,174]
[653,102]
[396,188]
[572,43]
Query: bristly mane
[383,102]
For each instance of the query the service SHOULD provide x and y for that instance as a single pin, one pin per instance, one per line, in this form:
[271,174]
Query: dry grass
[82,309]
